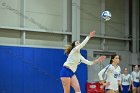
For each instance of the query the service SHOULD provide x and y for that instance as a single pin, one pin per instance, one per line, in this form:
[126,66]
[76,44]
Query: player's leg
[117,91]
[110,91]
[134,89]
[75,84]
[65,75]
[139,89]
[66,84]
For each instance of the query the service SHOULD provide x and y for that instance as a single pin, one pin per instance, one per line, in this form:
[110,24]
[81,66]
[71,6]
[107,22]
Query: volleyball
[106,15]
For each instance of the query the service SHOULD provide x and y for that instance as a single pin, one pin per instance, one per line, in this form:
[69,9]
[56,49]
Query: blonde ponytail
[67,49]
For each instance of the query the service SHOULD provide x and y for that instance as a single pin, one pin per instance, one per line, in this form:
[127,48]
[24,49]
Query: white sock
[78,92]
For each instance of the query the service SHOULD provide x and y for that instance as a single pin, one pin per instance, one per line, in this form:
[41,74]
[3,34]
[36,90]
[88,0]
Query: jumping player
[67,73]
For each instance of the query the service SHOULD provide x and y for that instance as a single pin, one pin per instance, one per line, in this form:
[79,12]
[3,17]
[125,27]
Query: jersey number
[115,75]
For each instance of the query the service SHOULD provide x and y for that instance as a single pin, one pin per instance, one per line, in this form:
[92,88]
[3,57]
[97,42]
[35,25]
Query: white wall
[91,20]
[115,27]
[90,16]
[9,17]
[38,13]
[8,37]
[48,13]
[43,39]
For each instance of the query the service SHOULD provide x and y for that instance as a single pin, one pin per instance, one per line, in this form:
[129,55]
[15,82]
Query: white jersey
[112,76]
[75,58]
[135,76]
[126,79]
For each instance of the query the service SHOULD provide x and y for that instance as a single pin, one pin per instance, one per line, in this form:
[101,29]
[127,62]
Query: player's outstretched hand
[101,58]
[92,34]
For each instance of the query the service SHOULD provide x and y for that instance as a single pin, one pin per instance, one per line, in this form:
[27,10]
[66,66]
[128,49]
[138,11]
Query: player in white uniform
[125,81]
[135,76]
[112,73]
[67,73]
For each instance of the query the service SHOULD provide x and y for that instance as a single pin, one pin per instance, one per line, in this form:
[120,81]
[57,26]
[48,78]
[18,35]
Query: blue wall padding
[35,70]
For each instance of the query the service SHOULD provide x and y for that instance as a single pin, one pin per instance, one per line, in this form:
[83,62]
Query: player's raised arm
[91,34]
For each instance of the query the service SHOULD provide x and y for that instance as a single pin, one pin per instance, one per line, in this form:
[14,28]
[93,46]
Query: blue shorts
[125,88]
[136,84]
[107,90]
[66,72]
